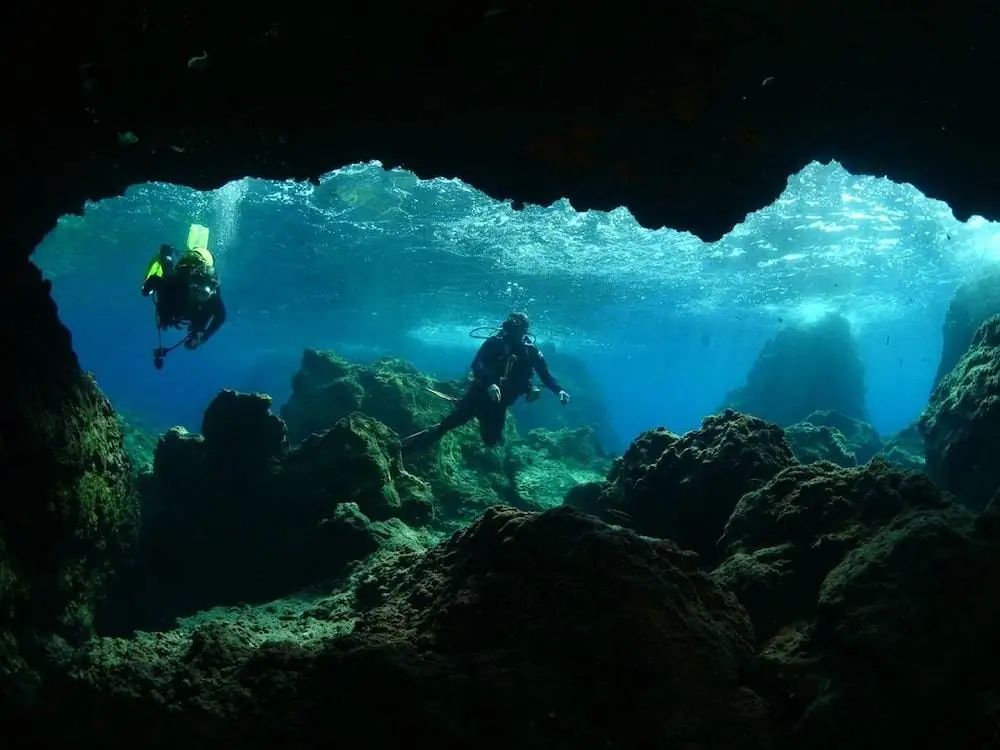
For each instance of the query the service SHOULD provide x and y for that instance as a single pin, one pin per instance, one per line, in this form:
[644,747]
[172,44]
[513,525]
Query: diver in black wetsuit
[502,370]
[186,290]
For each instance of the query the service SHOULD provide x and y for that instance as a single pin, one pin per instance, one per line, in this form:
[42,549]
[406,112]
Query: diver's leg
[463,412]
[491,422]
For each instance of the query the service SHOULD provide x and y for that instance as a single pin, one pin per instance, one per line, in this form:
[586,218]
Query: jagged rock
[685,487]
[357,461]
[810,443]
[905,450]
[232,516]
[240,430]
[904,647]
[328,388]
[784,538]
[862,439]
[961,424]
[619,643]
[972,305]
[802,370]
[67,510]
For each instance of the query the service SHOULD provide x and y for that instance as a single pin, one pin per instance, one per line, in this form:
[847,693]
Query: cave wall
[691,114]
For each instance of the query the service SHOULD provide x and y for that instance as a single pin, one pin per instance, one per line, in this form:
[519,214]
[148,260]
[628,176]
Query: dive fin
[197,237]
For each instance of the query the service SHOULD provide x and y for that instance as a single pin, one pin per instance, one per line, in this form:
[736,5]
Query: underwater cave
[758,250]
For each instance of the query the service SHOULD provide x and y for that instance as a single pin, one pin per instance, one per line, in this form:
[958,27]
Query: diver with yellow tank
[185,290]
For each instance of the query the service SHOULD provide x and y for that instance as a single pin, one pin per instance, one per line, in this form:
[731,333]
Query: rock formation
[961,425]
[802,370]
[971,305]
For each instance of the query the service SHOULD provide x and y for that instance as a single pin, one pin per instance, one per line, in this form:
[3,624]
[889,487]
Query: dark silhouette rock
[684,487]
[68,513]
[903,647]
[233,516]
[785,537]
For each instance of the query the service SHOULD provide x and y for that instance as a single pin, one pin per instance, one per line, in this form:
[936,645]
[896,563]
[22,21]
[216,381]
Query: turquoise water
[373,262]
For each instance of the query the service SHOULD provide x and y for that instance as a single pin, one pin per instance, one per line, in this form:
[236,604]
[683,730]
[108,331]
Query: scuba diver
[185,289]
[502,371]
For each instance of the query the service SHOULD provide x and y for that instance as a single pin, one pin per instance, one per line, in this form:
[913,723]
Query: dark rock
[68,514]
[784,538]
[961,424]
[230,517]
[718,108]
[619,643]
[972,305]
[812,443]
[685,487]
[904,648]
[802,370]
[241,431]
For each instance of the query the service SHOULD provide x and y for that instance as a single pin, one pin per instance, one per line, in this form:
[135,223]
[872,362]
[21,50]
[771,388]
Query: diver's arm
[150,285]
[542,368]
[217,309]
[487,353]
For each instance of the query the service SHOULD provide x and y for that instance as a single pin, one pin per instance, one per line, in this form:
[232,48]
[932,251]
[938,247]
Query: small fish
[445,396]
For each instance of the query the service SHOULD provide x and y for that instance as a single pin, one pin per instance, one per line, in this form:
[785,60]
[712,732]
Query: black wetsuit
[508,365]
[175,305]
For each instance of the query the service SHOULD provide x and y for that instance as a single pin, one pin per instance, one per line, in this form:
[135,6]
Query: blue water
[374,262]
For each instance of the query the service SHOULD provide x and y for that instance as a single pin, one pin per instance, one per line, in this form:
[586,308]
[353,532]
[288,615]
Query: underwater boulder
[905,450]
[903,647]
[802,370]
[327,388]
[687,490]
[240,430]
[810,443]
[861,438]
[972,305]
[961,424]
[524,630]
[232,516]
[784,538]
[357,461]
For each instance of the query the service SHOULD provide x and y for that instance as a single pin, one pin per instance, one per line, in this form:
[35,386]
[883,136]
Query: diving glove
[563,398]
[494,392]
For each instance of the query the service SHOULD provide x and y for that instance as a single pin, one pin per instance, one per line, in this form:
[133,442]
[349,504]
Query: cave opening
[374,262]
